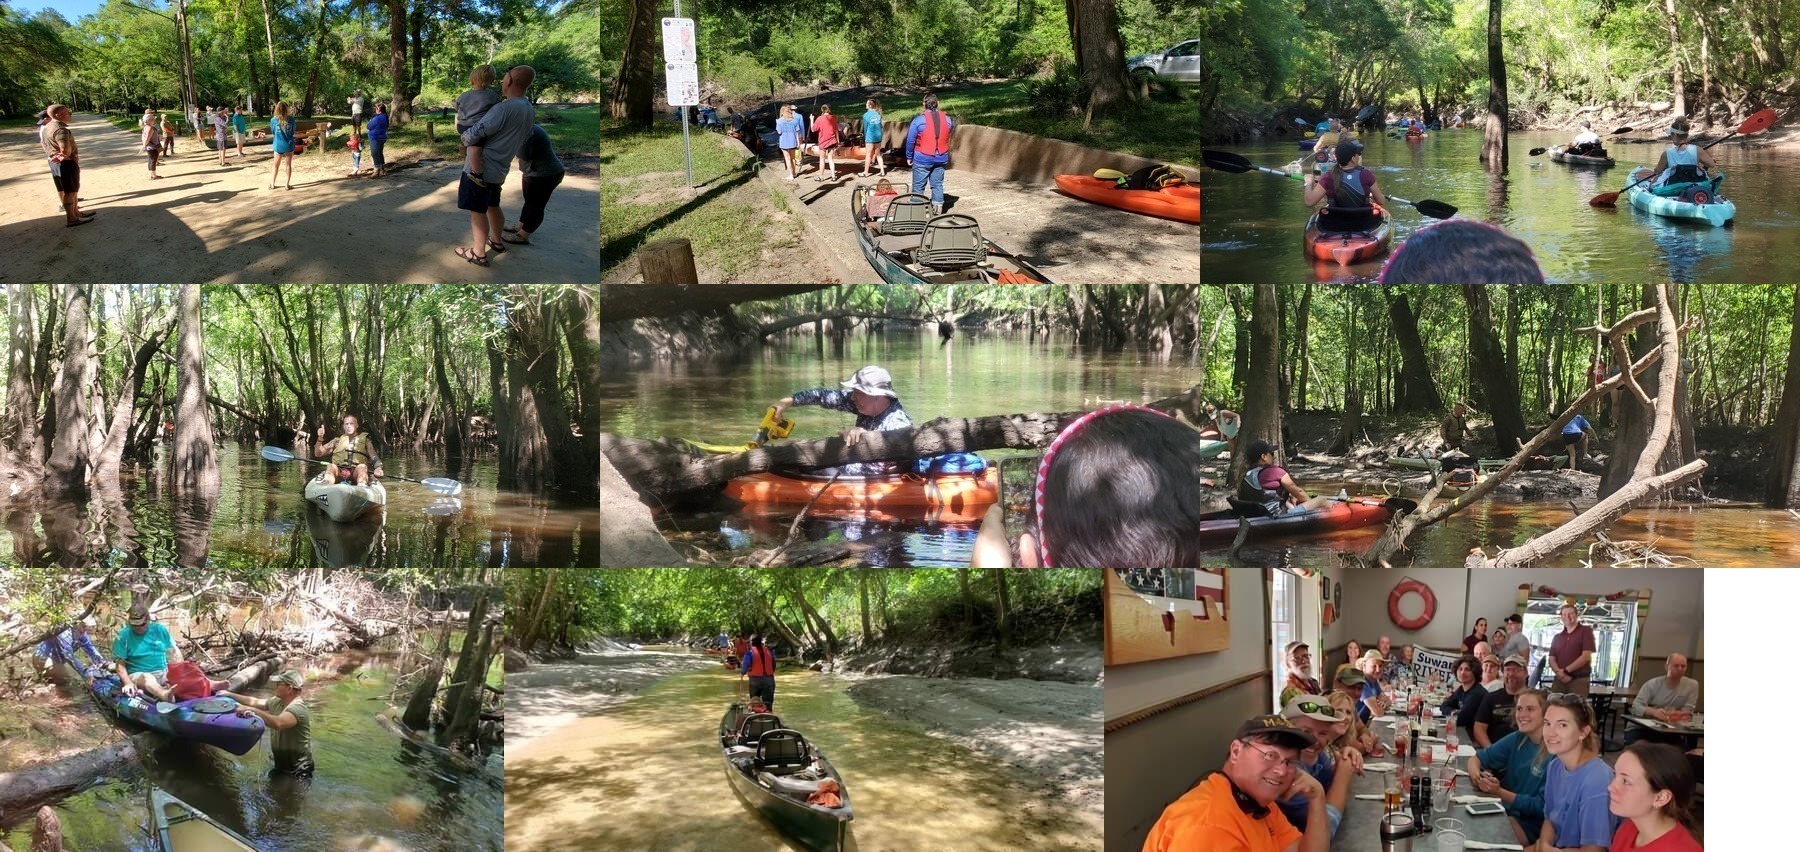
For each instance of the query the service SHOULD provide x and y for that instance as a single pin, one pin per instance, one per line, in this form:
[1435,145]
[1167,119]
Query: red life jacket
[934,134]
[188,681]
[762,663]
[739,646]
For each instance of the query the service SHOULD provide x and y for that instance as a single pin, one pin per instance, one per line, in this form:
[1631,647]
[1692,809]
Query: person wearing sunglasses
[1231,809]
[1576,814]
[1315,715]
[1652,789]
[1513,768]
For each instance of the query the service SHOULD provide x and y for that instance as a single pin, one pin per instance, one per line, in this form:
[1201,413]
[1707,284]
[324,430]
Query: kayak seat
[951,241]
[755,726]
[782,752]
[789,786]
[1247,508]
[907,214]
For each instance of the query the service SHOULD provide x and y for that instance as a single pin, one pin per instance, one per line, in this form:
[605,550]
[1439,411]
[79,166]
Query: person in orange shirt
[1232,809]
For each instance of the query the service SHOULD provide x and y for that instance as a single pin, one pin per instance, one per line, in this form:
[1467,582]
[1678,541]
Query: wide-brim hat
[873,381]
[1312,707]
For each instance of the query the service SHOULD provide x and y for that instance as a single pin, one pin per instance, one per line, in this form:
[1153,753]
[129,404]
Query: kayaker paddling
[870,396]
[1349,192]
[1681,162]
[352,455]
[1587,142]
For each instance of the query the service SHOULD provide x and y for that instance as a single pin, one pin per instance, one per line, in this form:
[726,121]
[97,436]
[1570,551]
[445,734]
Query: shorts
[67,176]
[161,675]
[1296,509]
[475,198]
[1571,438]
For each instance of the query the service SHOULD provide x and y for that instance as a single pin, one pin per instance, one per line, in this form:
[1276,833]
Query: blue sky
[73,10]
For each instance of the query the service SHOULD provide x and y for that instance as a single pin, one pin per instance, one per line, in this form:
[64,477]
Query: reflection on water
[1252,224]
[261,519]
[371,783]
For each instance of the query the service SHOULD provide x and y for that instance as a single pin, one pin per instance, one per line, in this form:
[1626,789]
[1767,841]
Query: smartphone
[1484,808]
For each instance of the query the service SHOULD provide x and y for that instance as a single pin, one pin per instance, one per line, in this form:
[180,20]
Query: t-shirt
[292,746]
[1569,644]
[52,136]
[64,646]
[239,124]
[1465,703]
[473,104]
[1325,770]
[789,131]
[825,129]
[1516,643]
[871,126]
[537,158]
[1497,712]
[1575,802]
[358,105]
[146,653]
[1369,690]
[281,135]
[1208,818]
[1576,424]
[501,132]
[1676,840]
[1515,760]
[1657,692]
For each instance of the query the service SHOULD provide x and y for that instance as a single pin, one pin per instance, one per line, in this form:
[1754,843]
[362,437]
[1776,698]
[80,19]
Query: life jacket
[188,681]
[739,645]
[1347,190]
[934,134]
[358,451]
[762,663]
[1251,489]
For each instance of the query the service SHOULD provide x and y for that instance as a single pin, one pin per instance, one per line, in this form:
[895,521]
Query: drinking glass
[1450,836]
[1444,784]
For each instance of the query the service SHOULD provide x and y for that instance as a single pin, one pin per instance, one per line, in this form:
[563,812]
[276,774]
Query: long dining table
[1360,829]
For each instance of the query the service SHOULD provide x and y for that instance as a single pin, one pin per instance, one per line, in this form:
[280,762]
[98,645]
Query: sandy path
[204,222]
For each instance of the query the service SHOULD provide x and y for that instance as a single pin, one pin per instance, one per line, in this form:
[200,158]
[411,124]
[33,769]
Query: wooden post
[430,131]
[668,261]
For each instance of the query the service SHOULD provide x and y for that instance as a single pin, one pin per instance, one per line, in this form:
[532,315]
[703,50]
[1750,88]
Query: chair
[950,242]
[782,752]
[907,214]
[756,726]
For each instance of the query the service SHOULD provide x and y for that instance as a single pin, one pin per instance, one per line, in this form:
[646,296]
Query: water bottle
[1343,495]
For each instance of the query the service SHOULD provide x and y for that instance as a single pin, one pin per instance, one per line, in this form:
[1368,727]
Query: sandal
[508,239]
[496,246]
[82,221]
[469,255]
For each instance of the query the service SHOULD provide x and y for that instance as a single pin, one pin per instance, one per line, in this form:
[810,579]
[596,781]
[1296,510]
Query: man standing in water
[759,665]
[352,455]
[289,722]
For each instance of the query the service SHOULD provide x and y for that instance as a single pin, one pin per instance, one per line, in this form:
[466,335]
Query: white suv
[1178,64]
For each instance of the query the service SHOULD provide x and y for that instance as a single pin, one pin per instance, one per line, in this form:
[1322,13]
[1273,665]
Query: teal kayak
[1715,209]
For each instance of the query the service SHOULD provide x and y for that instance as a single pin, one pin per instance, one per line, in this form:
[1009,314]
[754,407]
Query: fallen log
[1602,514]
[258,669]
[26,789]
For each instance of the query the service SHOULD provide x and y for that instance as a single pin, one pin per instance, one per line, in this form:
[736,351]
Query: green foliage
[1057,94]
[740,75]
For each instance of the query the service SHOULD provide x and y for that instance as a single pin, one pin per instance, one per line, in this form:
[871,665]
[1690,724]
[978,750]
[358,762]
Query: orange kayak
[952,497]
[1181,202]
[1348,248]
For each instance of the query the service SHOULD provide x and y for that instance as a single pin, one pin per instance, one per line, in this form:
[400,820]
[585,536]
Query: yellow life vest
[352,450]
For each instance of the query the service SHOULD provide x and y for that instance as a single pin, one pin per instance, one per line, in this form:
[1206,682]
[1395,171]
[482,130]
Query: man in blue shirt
[141,654]
[64,646]
[870,396]
[1575,432]
[1315,715]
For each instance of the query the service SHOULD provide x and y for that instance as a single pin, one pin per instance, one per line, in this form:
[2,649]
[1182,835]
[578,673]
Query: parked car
[1178,64]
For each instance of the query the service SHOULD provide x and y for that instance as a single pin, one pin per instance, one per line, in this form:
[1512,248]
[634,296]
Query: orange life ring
[1404,588]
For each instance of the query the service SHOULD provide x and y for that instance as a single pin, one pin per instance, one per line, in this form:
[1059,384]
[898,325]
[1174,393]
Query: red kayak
[1347,515]
[1180,202]
[1348,248]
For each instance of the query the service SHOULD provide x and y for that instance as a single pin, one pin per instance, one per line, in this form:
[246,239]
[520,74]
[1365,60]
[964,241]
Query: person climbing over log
[870,396]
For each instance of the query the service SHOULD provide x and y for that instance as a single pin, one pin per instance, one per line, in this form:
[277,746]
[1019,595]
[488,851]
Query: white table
[1360,830]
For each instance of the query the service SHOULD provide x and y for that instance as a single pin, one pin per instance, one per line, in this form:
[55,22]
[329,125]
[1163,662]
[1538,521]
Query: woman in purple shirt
[1576,812]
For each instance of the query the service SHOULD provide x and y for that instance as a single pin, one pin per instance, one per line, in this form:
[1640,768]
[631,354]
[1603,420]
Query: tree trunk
[21,453]
[69,462]
[455,422]
[1784,468]
[26,788]
[1676,85]
[633,87]
[1499,385]
[193,469]
[1652,440]
[1262,410]
[1493,139]
[1303,346]
[579,308]
[1002,623]
[545,450]
[466,675]
[274,67]
[1094,32]
[400,112]
[1417,392]
[465,715]
[862,588]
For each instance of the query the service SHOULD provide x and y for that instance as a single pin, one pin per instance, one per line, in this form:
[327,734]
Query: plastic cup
[1450,840]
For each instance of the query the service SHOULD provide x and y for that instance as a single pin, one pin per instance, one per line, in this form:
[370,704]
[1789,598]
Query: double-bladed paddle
[1225,161]
[1756,123]
[449,487]
[1539,151]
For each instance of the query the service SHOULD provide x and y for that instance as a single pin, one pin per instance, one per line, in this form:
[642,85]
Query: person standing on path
[378,131]
[496,140]
[240,128]
[220,123]
[152,141]
[168,137]
[281,141]
[928,151]
[58,143]
[872,132]
[541,172]
[357,107]
[788,130]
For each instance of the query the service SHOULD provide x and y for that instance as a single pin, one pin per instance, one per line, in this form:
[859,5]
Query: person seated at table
[1300,680]
[1652,790]
[1373,702]
[1513,768]
[1352,650]
[1466,699]
[1491,677]
[1670,697]
[1481,651]
[1495,718]
[1356,735]
[1575,786]
[1402,671]
[1231,808]
[1315,715]
[1386,647]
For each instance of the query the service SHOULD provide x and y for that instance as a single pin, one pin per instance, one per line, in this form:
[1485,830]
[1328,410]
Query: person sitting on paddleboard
[352,455]
[870,396]
[1587,142]
[1270,485]
[1680,162]
[1347,189]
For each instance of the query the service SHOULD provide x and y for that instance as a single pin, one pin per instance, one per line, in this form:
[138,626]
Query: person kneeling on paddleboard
[1347,190]
[870,396]
[1269,484]
[352,455]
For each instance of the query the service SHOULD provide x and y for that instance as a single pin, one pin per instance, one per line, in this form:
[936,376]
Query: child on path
[470,107]
[152,141]
[872,133]
[239,128]
[825,129]
[355,146]
[168,137]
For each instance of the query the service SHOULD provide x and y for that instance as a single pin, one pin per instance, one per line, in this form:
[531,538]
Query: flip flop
[506,239]
[76,222]
[469,255]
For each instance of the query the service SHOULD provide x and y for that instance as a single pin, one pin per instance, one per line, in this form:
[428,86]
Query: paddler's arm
[321,447]
[126,686]
[276,721]
[245,700]
[1315,191]
[1376,193]
[1293,489]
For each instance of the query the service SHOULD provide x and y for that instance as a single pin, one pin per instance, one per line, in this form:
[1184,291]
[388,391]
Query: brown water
[722,399]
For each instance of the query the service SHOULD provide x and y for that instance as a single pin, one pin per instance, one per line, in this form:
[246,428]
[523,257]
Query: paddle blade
[277,455]
[1625,129]
[1435,209]
[1757,122]
[1537,151]
[1224,161]
[447,487]
[1604,199]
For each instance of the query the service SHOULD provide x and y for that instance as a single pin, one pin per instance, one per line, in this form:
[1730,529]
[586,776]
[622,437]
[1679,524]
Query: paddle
[1538,151]
[1756,123]
[449,487]
[1225,161]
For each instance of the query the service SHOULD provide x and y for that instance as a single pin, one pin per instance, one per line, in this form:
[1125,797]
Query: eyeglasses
[1274,757]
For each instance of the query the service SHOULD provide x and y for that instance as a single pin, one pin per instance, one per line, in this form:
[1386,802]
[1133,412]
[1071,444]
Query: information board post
[681,76]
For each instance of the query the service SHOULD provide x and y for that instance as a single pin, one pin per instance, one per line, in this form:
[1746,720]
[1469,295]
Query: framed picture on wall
[1156,614]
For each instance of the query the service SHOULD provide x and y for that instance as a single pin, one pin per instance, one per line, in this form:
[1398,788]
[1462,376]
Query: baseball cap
[290,677]
[1292,646]
[139,615]
[1349,676]
[1259,446]
[872,380]
[1272,724]
[1347,149]
[1513,660]
[1372,654]
[1311,706]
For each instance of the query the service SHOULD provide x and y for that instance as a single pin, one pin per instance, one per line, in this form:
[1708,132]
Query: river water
[1252,222]
[262,519]
[372,786]
[722,400]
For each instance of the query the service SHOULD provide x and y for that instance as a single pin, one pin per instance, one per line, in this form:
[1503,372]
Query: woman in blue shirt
[281,141]
[790,128]
[1513,768]
[1576,811]
[872,133]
